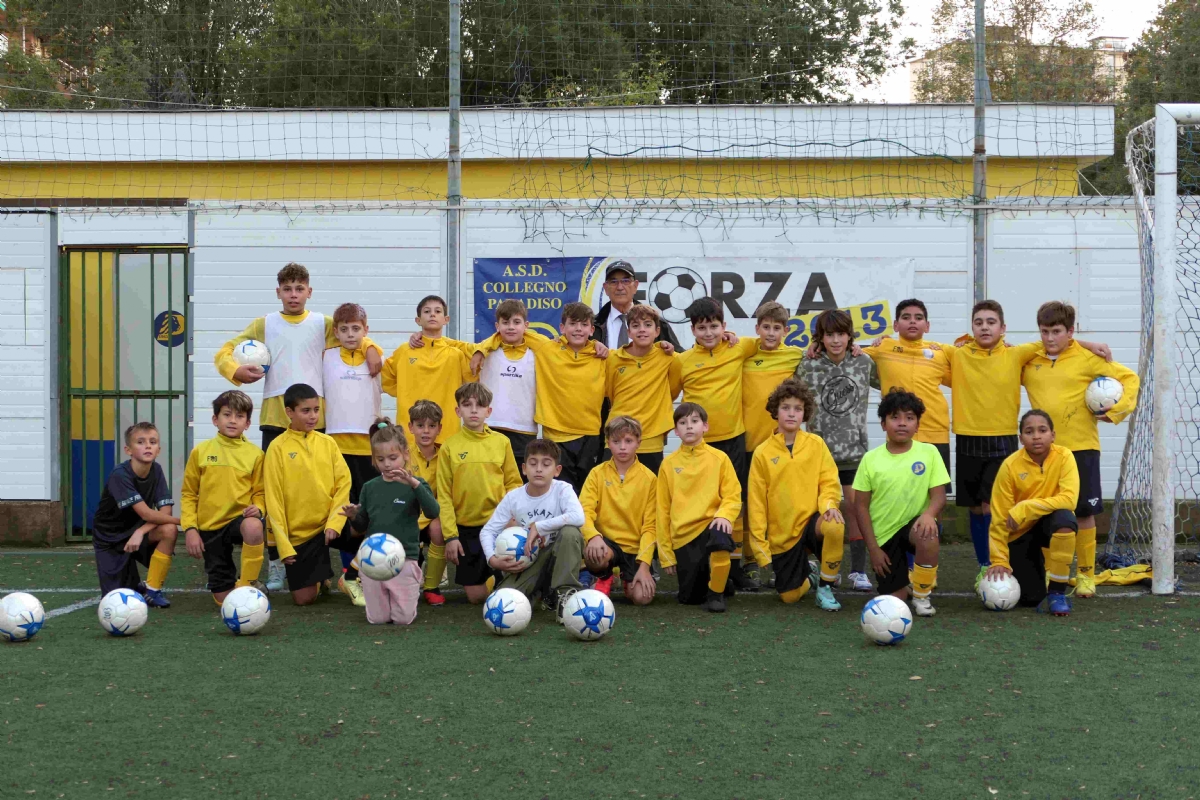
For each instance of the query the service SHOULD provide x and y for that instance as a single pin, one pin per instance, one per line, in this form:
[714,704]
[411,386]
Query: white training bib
[296,353]
[352,396]
[514,391]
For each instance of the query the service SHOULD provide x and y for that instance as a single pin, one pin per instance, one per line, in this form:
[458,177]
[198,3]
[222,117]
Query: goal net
[1131,534]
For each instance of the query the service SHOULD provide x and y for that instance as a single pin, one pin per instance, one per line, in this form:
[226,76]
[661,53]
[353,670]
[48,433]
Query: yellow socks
[490,583]
[738,535]
[832,547]
[1085,551]
[160,565]
[794,595]
[435,565]
[252,558]
[718,571]
[923,579]
[1062,547]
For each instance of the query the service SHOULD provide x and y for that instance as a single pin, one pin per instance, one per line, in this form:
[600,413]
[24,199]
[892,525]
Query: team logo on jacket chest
[292,455]
[412,360]
[462,456]
[775,460]
[213,459]
[918,468]
[1023,475]
[838,396]
[678,470]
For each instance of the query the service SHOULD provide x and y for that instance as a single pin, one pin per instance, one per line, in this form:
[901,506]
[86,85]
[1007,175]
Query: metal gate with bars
[124,349]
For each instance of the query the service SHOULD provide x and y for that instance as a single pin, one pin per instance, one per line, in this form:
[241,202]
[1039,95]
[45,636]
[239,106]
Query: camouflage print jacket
[842,391]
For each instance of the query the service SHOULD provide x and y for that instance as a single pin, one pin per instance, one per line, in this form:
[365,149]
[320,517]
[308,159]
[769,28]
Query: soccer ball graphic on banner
[588,615]
[122,612]
[506,612]
[1000,594]
[1102,394]
[381,557]
[514,542]
[21,617]
[673,290]
[252,353]
[886,620]
[246,611]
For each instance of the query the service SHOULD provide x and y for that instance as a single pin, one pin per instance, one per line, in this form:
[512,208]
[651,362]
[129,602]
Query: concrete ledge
[31,522]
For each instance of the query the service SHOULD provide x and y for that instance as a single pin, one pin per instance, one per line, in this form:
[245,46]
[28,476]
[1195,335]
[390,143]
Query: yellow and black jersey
[1028,491]
[761,374]
[787,487]
[433,372]
[986,386]
[695,485]
[475,470]
[918,368]
[622,509]
[713,380]
[307,484]
[1058,387]
[645,388]
[223,478]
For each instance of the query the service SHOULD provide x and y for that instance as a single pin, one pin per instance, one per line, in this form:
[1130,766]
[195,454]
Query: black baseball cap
[619,266]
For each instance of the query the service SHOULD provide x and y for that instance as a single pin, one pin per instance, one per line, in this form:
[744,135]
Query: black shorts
[1027,560]
[1091,500]
[118,569]
[219,566]
[944,450]
[311,565]
[791,568]
[519,442]
[897,549]
[735,448]
[472,569]
[579,457]
[626,562]
[691,564]
[651,461]
[979,459]
[846,476]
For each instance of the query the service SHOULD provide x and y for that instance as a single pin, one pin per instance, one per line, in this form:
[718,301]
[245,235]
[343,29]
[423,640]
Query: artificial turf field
[764,701]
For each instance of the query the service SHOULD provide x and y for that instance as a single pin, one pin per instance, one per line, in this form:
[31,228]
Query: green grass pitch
[765,701]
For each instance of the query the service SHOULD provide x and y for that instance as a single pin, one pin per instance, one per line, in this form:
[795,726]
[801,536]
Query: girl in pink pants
[393,600]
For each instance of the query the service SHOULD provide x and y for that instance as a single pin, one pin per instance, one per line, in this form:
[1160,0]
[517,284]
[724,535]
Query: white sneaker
[860,582]
[276,576]
[922,607]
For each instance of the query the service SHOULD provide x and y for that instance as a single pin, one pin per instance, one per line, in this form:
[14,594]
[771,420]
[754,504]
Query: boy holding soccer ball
[224,498]
[133,521]
[393,503]
[549,510]
[900,489]
[1033,507]
[1057,382]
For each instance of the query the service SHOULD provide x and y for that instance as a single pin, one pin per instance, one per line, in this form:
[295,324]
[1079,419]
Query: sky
[1117,18]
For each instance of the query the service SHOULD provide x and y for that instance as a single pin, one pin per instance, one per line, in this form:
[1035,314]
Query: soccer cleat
[433,597]
[825,599]
[603,585]
[859,582]
[922,607]
[738,578]
[444,583]
[560,603]
[586,579]
[714,603]
[276,576]
[154,597]
[980,576]
[1057,604]
[353,590]
[1085,586]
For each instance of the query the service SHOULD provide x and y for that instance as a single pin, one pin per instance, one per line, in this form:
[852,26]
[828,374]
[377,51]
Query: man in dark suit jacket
[621,285]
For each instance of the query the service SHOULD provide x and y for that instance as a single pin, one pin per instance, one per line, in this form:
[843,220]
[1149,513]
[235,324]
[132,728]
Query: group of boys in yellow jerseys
[746,480]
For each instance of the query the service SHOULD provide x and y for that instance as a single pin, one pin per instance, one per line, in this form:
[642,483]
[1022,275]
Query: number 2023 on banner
[870,321]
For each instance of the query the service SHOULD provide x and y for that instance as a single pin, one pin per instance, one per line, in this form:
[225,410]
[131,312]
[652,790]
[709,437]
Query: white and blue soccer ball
[673,290]
[1102,394]
[252,353]
[588,615]
[506,612]
[21,617]
[515,542]
[886,620]
[1000,594]
[246,611]
[122,612]
[381,557]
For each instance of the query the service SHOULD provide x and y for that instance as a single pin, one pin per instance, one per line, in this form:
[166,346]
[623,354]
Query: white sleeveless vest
[352,396]
[296,353]
[514,391]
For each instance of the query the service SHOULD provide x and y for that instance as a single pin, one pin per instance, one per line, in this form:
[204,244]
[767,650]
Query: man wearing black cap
[621,285]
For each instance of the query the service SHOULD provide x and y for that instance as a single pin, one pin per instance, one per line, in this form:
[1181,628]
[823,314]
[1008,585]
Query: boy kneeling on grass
[900,489]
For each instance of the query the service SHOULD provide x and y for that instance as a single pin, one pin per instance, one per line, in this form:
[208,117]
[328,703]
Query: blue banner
[544,285]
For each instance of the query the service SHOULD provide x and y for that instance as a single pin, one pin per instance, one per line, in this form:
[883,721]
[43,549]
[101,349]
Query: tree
[1037,51]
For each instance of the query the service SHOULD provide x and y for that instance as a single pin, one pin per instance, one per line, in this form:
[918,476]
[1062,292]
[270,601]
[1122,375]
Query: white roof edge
[654,132]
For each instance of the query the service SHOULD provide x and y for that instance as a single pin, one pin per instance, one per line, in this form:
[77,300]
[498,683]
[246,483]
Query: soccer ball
[252,353]
[673,290]
[506,612]
[1102,394]
[512,542]
[21,617]
[1000,594]
[246,611]
[588,615]
[381,557]
[886,619]
[122,612]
